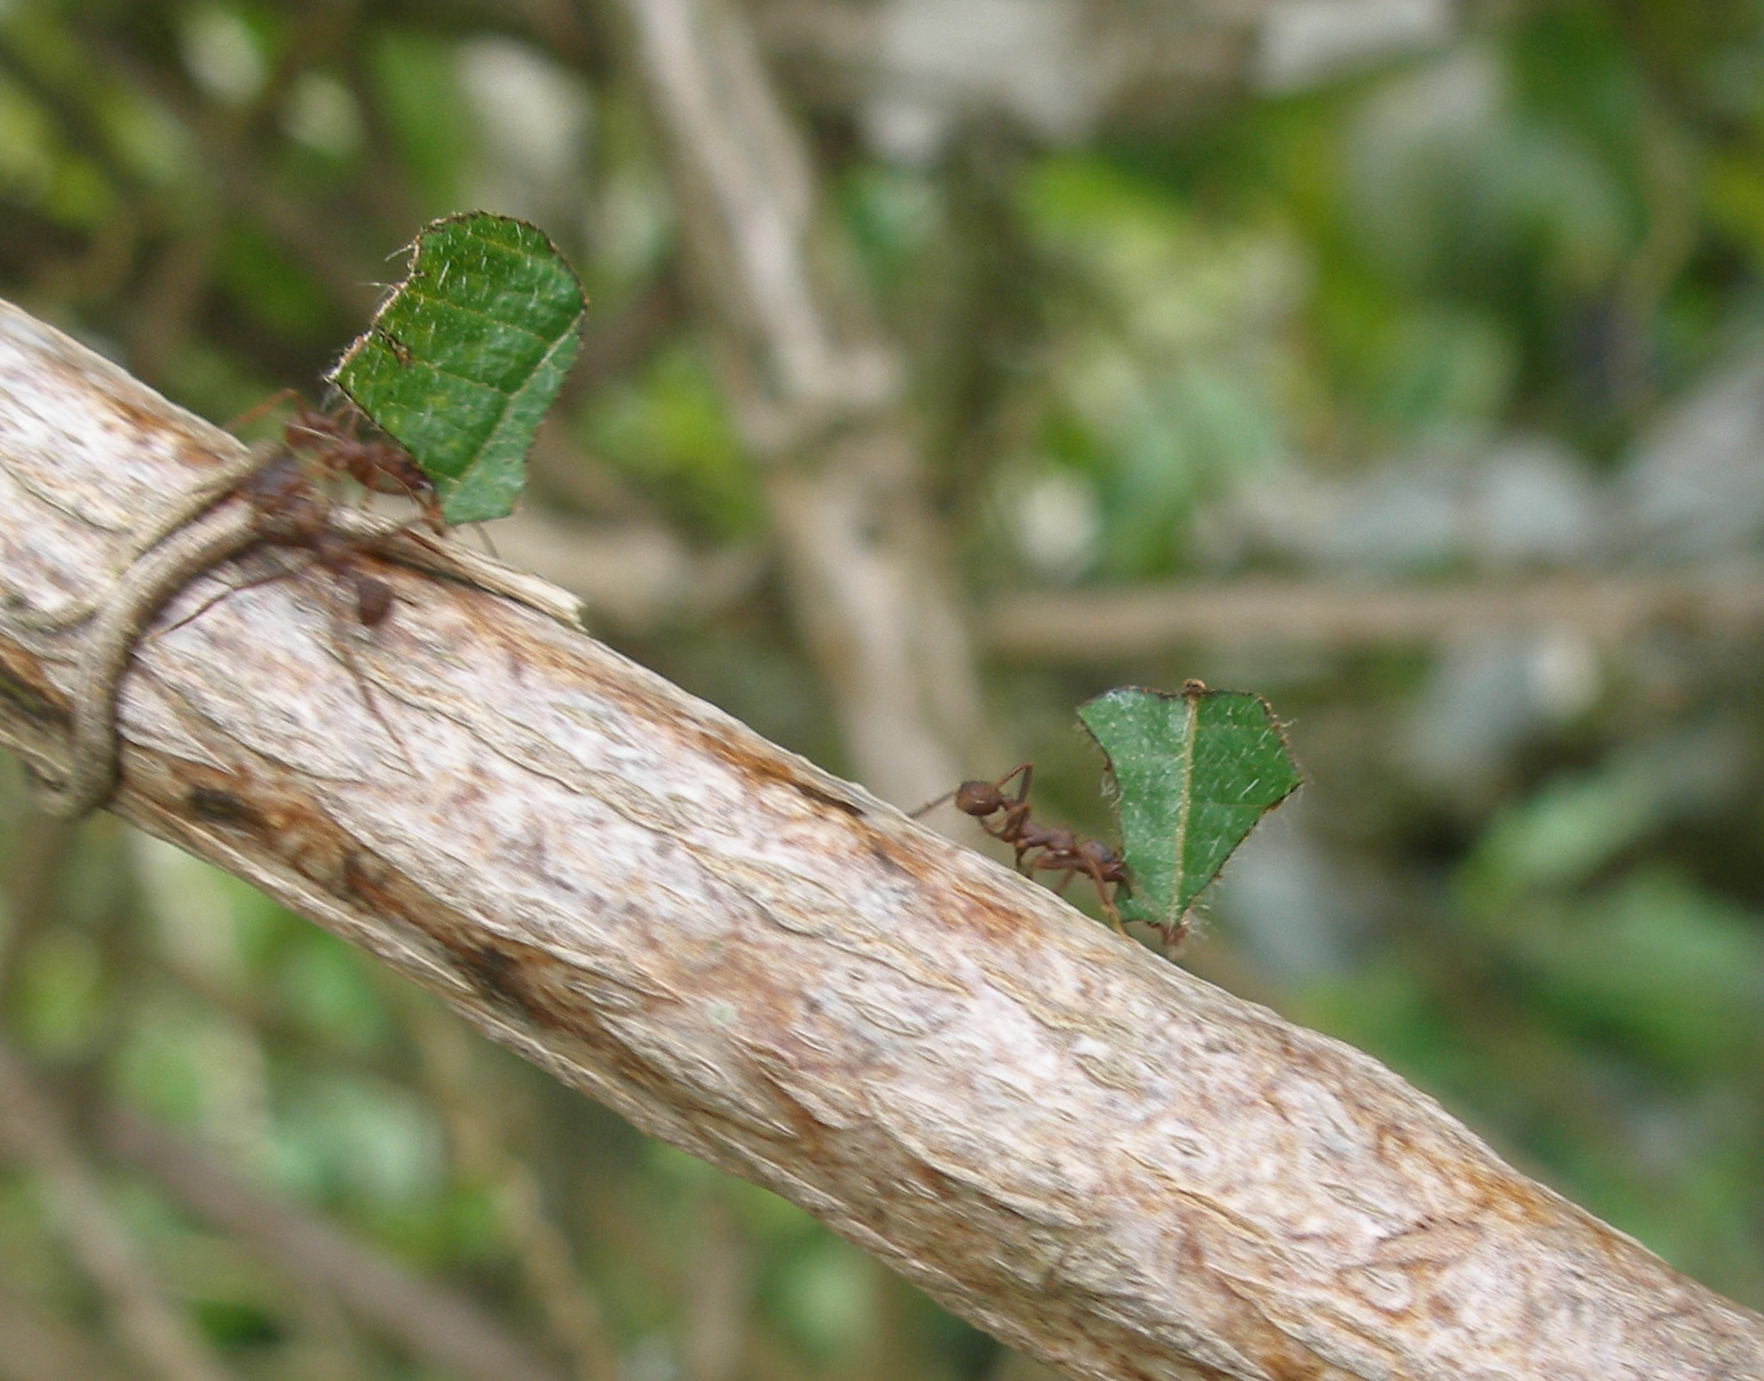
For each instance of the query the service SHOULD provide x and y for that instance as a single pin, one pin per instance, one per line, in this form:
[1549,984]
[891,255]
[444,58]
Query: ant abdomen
[373,601]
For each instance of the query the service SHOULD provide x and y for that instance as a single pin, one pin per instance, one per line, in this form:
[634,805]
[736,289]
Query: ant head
[978,798]
[308,425]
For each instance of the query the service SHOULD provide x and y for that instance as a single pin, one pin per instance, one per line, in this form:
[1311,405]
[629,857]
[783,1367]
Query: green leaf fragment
[465,356]
[1195,771]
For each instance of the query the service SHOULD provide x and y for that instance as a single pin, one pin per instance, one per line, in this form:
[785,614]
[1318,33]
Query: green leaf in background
[465,356]
[1195,771]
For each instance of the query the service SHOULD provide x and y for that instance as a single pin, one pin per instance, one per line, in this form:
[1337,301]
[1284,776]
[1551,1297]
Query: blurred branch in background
[447,1330]
[1105,625]
[482,1134]
[917,72]
[42,1347]
[816,390]
[633,576]
[155,1330]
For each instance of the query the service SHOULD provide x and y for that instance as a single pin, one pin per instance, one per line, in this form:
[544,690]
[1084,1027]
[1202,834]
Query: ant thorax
[342,443]
[1039,847]
[377,463]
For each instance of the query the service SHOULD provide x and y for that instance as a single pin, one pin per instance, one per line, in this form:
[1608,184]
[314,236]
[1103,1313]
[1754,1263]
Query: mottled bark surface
[1063,1138]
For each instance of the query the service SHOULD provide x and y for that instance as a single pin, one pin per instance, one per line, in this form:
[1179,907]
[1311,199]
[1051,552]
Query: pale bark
[1060,1136]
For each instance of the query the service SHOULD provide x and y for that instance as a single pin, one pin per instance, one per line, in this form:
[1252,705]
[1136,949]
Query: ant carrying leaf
[342,443]
[1196,769]
[466,354]
[289,510]
[1060,850]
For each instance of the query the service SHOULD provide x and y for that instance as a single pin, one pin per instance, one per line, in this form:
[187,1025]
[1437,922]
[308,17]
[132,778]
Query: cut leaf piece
[464,357]
[1195,771]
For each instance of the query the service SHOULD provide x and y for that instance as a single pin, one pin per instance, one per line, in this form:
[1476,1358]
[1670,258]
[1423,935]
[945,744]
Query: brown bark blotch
[23,683]
[217,806]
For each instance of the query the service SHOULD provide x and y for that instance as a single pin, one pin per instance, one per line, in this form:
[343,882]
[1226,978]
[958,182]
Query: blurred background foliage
[1464,301]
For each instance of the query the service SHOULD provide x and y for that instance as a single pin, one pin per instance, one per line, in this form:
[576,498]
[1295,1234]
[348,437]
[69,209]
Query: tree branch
[42,1347]
[163,1340]
[1061,71]
[444,1329]
[1090,625]
[1068,1141]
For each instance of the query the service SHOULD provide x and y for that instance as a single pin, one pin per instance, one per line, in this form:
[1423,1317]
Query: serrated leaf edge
[410,251]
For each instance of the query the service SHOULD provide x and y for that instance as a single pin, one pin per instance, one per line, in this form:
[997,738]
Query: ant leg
[1016,811]
[219,595]
[1028,771]
[1010,826]
[930,806]
[344,651]
[251,414]
[1102,895]
[372,612]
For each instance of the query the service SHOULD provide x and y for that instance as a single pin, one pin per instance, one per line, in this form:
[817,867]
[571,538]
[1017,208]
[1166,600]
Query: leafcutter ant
[379,464]
[289,510]
[1060,850]
[334,439]
[292,512]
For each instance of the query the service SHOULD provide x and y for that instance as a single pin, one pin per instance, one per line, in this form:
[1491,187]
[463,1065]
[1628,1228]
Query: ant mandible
[1061,849]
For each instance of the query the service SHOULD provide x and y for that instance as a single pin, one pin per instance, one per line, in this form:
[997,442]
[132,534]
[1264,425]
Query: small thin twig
[443,1328]
[181,513]
[128,607]
[31,1132]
